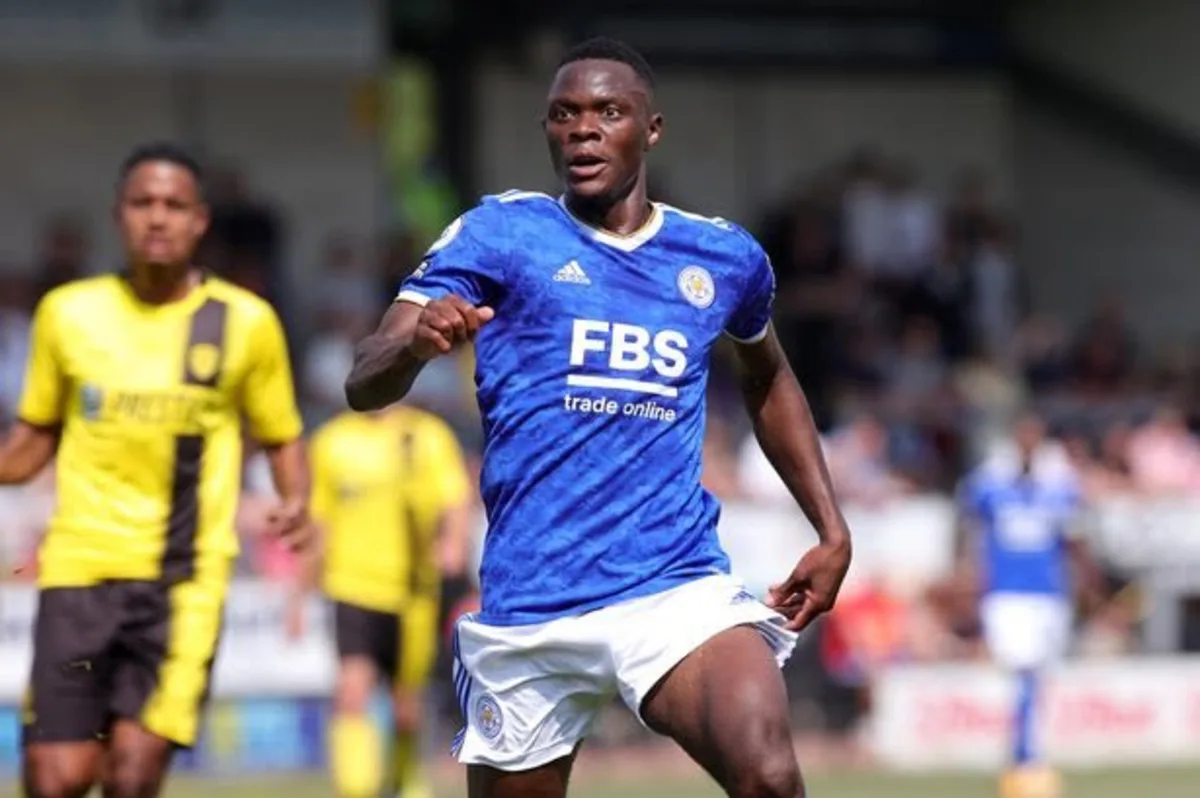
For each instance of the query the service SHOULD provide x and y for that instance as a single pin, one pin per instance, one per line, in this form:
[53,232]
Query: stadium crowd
[905,317]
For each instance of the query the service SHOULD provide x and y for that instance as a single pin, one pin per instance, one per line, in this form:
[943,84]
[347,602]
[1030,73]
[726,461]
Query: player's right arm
[30,445]
[441,305]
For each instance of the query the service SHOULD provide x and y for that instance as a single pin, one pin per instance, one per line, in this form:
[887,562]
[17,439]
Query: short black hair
[605,49]
[161,151]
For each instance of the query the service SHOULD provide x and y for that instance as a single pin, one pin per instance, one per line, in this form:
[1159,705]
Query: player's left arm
[269,402]
[784,426]
[30,444]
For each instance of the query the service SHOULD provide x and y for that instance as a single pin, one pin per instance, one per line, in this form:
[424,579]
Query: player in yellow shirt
[391,500]
[139,381]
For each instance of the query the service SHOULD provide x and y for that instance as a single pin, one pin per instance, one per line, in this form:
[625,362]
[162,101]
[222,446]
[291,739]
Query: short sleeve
[44,393]
[752,317]
[468,259]
[269,395]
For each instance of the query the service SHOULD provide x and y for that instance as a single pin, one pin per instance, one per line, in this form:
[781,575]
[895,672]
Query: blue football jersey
[591,384]
[1024,523]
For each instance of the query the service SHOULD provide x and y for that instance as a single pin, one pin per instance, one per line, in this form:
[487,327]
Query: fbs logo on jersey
[203,360]
[572,273]
[696,285]
[630,348]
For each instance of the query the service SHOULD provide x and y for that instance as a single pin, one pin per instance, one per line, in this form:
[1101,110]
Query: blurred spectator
[15,301]
[857,453]
[994,297]
[914,233]
[1164,456]
[63,253]
[245,238]
[1104,352]
[970,211]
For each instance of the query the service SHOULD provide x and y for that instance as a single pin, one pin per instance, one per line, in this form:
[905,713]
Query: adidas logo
[572,273]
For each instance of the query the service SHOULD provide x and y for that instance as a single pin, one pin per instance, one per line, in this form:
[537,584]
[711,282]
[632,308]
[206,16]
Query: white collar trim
[625,243]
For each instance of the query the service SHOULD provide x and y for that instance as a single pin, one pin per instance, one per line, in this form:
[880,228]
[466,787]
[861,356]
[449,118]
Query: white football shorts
[1025,631]
[531,693]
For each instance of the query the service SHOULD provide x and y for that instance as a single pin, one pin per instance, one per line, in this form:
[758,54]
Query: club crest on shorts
[696,285]
[488,718]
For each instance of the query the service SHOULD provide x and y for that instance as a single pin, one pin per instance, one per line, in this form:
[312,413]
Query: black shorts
[113,651]
[361,632]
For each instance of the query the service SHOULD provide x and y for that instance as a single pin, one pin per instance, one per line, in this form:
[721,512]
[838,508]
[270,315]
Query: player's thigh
[726,705]
[367,647]
[547,781]
[61,770]
[169,645]
[529,695]
[73,638]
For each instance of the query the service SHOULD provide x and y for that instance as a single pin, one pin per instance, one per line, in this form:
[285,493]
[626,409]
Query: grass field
[1182,783]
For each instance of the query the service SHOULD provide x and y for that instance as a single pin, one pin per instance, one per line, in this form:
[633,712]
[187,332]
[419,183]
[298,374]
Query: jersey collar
[625,243]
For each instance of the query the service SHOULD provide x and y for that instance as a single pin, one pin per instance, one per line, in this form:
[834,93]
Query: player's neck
[160,285]
[625,216]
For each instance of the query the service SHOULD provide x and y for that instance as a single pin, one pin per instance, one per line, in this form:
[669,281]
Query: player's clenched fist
[446,323]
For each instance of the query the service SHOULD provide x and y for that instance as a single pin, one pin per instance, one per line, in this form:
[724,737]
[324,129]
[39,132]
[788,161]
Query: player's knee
[48,783]
[774,774]
[53,777]
[356,681]
[407,711]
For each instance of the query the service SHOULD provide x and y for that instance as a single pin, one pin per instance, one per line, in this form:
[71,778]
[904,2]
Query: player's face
[599,126]
[161,214]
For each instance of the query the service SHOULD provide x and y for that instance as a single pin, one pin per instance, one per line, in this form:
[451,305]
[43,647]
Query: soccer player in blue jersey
[1021,502]
[593,317]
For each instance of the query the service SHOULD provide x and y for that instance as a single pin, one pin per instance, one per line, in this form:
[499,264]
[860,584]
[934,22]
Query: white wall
[1145,51]
[1094,224]
[293,132]
[734,143]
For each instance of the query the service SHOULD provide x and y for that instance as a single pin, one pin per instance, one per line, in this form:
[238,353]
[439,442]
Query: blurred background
[970,207]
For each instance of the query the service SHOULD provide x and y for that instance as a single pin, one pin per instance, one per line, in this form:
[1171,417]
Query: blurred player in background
[139,381]
[1020,502]
[391,499]
[593,317]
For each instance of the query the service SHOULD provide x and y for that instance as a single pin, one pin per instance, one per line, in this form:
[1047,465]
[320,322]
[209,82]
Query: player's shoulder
[714,230]
[241,302]
[714,234]
[514,203]
[334,427]
[420,422]
[84,290]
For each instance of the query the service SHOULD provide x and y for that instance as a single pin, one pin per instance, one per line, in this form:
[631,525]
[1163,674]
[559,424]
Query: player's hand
[288,521]
[447,323]
[813,585]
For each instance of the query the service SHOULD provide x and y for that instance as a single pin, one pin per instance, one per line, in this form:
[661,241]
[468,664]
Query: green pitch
[1174,783]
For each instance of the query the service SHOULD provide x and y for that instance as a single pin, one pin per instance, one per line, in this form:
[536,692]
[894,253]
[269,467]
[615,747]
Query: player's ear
[200,220]
[656,129]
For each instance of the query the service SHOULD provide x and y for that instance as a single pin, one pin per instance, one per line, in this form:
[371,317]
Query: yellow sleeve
[43,396]
[324,490]
[445,473]
[269,396]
